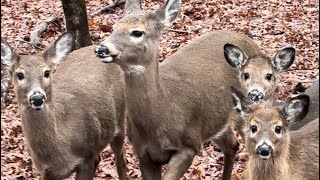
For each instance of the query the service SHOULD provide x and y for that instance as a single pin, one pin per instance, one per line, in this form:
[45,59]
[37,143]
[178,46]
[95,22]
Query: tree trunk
[75,13]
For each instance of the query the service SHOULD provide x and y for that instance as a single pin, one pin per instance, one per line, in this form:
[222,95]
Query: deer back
[199,73]
[304,151]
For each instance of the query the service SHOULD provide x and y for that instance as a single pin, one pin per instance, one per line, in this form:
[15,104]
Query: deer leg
[97,161]
[230,146]
[117,146]
[86,170]
[47,175]
[179,164]
[149,170]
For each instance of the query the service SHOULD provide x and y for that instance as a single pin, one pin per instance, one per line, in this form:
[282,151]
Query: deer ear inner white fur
[6,55]
[63,47]
[172,9]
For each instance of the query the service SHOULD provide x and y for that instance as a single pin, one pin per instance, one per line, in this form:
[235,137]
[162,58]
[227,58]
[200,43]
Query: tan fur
[176,106]
[296,153]
[84,112]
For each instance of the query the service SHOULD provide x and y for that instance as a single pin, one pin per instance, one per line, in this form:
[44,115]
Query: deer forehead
[131,22]
[269,116]
[258,65]
[32,63]
[130,26]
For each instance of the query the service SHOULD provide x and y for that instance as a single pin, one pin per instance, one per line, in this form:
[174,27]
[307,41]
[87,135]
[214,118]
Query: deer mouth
[108,59]
[37,100]
[105,54]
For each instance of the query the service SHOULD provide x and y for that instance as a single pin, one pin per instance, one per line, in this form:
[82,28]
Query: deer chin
[108,59]
[265,157]
[38,108]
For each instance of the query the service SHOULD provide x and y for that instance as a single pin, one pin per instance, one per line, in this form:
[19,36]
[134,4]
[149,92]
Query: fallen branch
[109,8]
[35,34]
[31,44]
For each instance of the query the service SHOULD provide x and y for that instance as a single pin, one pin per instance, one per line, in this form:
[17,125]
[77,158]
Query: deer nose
[255,95]
[37,99]
[264,150]
[102,51]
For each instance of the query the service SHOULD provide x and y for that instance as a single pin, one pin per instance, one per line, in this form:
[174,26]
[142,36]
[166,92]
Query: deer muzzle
[264,151]
[255,95]
[37,100]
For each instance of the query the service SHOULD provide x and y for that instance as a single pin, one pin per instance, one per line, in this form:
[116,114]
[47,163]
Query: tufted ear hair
[60,49]
[132,6]
[240,101]
[283,59]
[9,58]
[169,12]
[234,56]
[296,108]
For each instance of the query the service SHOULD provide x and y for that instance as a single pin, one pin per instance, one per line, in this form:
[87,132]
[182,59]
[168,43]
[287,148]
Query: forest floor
[272,24]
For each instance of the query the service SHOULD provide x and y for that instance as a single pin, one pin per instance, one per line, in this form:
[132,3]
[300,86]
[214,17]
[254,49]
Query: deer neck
[39,125]
[145,96]
[271,169]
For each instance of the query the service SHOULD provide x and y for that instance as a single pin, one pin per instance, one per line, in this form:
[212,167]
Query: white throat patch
[134,70]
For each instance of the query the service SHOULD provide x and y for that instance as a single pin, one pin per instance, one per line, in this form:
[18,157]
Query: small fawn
[275,153]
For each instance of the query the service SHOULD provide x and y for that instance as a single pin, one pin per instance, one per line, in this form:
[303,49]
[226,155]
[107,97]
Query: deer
[258,74]
[313,93]
[71,115]
[170,105]
[275,151]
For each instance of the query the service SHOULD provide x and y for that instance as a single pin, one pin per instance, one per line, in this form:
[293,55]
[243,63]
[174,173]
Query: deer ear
[283,59]
[8,57]
[132,6]
[234,56]
[239,101]
[61,48]
[296,108]
[169,12]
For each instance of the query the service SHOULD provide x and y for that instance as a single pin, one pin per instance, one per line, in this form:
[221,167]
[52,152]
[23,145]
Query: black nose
[264,150]
[102,51]
[255,95]
[37,99]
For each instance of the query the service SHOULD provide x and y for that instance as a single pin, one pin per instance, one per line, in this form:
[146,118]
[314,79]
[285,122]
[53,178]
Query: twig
[111,7]
[179,31]
[35,34]
[34,45]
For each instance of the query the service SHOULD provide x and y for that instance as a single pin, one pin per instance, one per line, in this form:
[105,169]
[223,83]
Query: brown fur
[261,72]
[176,106]
[299,158]
[84,111]
[295,154]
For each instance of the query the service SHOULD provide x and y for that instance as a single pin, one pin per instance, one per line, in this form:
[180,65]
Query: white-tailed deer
[70,118]
[275,152]
[176,106]
[313,93]
[257,74]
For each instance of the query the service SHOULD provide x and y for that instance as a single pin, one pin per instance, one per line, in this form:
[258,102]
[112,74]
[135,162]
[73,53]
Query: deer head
[31,74]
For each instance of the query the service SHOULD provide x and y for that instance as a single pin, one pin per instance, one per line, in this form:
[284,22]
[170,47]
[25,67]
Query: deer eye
[246,76]
[269,77]
[20,76]
[46,74]
[136,33]
[253,128]
[278,129]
